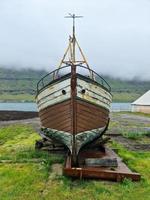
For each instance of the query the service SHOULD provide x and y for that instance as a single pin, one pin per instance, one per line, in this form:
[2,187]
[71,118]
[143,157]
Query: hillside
[20,85]
[127,91]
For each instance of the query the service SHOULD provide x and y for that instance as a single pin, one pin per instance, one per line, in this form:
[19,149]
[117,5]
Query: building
[142,104]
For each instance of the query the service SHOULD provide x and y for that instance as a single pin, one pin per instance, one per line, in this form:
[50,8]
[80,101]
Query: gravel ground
[130,118]
[122,122]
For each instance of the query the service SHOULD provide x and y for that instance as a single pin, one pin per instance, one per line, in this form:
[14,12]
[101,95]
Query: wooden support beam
[100,174]
[118,173]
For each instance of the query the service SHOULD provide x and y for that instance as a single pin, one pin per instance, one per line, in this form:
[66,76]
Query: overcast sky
[114,34]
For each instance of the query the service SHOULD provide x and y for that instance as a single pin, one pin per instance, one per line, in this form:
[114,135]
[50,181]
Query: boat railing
[96,77]
[60,72]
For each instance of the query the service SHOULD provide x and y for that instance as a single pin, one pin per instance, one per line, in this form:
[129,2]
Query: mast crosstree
[73,17]
[69,57]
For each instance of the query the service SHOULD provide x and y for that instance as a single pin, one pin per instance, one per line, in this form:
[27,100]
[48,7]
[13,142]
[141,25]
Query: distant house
[142,104]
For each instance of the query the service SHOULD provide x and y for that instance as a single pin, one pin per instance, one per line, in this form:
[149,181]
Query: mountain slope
[20,85]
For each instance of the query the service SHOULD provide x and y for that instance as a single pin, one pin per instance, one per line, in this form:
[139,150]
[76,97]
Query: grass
[64,188]
[22,181]
[138,161]
[17,145]
[29,177]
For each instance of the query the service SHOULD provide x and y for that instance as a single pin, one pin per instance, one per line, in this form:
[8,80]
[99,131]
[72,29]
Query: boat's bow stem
[73,114]
[71,54]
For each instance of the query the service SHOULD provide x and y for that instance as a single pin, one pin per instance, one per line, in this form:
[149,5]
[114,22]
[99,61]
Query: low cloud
[115,35]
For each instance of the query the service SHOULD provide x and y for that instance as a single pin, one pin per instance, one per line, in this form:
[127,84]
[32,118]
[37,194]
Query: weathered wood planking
[93,93]
[53,94]
[57,116]
[66,138]
[119,173]
[89,116]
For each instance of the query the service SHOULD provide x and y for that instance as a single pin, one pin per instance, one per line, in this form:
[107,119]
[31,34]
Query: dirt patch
[57,169]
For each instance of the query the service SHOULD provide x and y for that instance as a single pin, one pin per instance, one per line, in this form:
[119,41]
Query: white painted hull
[94,94]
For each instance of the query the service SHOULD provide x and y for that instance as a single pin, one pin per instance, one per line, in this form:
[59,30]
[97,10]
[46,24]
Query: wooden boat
[73,101]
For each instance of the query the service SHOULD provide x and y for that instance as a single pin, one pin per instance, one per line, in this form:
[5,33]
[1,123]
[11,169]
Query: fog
[114,34]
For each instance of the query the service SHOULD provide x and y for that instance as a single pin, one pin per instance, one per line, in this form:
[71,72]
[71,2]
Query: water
[18,106]
[116,107]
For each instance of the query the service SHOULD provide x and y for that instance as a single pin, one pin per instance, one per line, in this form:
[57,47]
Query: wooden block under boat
[101,162]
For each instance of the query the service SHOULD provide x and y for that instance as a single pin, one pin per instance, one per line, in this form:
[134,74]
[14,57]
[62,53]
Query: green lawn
[25,174]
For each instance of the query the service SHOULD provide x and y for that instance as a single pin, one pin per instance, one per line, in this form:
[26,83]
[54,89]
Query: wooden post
[73,114]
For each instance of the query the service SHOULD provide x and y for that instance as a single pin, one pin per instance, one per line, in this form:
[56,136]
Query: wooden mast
[71,49]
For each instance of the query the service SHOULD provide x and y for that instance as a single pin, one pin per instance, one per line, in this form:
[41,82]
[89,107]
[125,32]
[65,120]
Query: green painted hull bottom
[66,138]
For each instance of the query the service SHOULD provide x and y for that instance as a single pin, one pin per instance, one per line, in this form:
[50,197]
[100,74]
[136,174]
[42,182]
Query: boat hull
[89,116]
[92,105]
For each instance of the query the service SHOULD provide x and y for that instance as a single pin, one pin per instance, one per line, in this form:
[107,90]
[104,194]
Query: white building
[142,104]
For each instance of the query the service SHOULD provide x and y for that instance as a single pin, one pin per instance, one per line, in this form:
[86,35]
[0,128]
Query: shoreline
[33,101]
[8,115]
